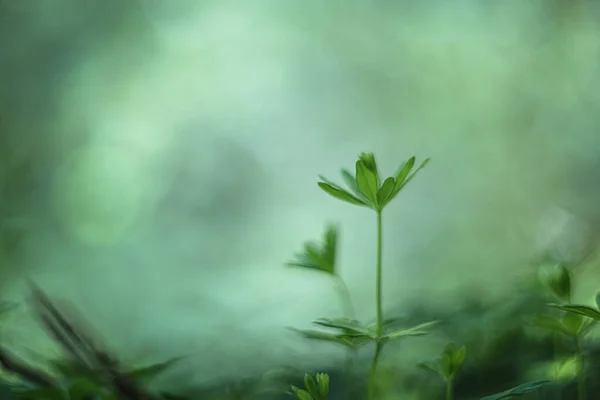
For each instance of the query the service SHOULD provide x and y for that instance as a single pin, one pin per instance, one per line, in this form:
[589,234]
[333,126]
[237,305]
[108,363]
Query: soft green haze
[161,161]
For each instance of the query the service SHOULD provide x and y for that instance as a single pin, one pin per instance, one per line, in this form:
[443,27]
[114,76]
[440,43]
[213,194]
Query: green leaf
[517,391]
[42,394]
[588,324]
[348,325]
[321,257]
[418,330]
[304,261]
[7,307]
[567,369]
[446,363]
[400,184]
[68,369]
[311,249]
[367,182]
[558,279]
[350,181]
[404,170]
[340,194]
[301,394]
[385,191]
[152,371]
[323,382]
[551,323]
[451,361]
[318,335]
[83,389]
[353,341]
[573,323]
[329,251]
[431,366]
[388,324]
[460,356]
[578,309]
[311,386]
[368,159]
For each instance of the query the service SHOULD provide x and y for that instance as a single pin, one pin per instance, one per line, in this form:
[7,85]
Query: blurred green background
[159,160]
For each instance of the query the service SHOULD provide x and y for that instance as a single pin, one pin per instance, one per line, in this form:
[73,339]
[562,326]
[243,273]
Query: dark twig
[83,350]
[10,364]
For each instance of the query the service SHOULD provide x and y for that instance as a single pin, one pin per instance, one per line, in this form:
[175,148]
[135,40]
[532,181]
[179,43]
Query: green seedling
[314,390]
[575,323]
[367,189]
[322,257]
[447,366]
[518,391]
[557,278]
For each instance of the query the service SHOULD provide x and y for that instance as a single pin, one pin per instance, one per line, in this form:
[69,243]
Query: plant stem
[581,374]
[373,373]
[449,389]
[345,299]
[348,310]
[378,294]
[378,290]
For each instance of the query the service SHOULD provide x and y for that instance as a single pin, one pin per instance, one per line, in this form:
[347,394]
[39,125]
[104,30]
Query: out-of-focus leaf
[323,383]
[588,324]
[388,324]
[311,386]
[152,371]
[71,371]
[83,389]
[551,323]
[558,279]
[417,330]
[348,325]
[578,309]
[520,390]
[446,362]
[569,369]
[318,335]
[7,307]
[460,356]
[451,361]
[301,394]
[6,393]
[320,257]
[329,249]
[42,394]
[431,366]
[574,323]
[351,341]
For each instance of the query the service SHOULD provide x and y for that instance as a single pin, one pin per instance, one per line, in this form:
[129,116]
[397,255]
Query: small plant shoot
[447,366]
[366,188]
[575,323]
[314,389]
